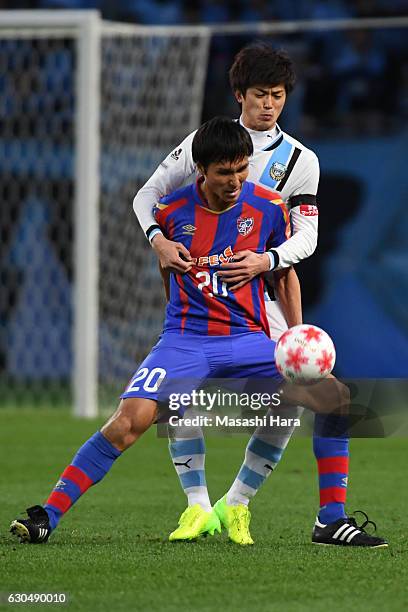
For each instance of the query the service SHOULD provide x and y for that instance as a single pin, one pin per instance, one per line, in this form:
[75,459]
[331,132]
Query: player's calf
[132,418]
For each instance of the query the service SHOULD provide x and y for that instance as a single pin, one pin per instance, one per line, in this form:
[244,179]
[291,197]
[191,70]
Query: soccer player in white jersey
[279,162]
[261,79]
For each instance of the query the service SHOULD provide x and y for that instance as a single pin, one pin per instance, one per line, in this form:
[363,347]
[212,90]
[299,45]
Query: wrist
[157,239]
[152,231]
[273,258]
[266,262]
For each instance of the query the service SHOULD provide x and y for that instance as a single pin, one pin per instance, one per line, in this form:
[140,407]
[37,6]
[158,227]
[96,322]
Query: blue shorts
[180,363]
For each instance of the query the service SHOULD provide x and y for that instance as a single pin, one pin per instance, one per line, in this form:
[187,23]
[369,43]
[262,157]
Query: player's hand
[245,267]
[173,256]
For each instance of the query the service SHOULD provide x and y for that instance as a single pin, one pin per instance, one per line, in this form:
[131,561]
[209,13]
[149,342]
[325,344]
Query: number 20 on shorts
[151,380]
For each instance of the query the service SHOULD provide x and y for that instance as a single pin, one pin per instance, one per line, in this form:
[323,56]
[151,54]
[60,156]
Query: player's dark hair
[260,64]
[220,139]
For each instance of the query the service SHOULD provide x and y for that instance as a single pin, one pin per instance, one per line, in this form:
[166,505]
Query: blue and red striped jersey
[200,303]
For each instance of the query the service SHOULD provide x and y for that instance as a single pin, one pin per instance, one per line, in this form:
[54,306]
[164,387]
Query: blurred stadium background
[350,106]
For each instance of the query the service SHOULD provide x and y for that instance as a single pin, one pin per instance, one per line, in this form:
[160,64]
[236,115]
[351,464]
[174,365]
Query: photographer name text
[230,421]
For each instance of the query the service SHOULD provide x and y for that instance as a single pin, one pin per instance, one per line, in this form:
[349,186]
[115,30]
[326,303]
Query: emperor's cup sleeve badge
[309,210]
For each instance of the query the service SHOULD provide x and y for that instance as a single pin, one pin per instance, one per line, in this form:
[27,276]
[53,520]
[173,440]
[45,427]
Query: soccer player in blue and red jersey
[210,331]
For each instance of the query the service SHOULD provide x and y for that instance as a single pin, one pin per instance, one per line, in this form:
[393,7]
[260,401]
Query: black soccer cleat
[33,530]
[346,532]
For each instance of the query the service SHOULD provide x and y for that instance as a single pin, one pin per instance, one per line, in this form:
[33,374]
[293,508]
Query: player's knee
[339,394]
[344,393]
[340,402]
[141,412]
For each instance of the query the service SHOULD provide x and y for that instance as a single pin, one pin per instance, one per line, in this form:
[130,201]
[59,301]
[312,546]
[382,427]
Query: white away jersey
[279,162]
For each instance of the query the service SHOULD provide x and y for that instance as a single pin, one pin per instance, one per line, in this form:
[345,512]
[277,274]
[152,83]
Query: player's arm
[287,291]
[247,264]
[285,281]
[164,220]
[171,174]
[165,274]
[304,219]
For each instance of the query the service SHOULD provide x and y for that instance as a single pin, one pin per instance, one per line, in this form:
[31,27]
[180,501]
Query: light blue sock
[187,450]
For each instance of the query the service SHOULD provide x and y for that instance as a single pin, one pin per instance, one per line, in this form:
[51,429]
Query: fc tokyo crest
[277,171]
[245,225]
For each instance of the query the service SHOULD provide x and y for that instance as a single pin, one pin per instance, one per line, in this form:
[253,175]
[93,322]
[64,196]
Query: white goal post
[96,148]
[137,91]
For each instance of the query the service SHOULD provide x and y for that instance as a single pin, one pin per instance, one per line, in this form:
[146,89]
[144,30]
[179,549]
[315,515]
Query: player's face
[261,106]
[223,182]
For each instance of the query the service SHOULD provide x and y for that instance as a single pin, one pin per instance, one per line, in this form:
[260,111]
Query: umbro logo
[189,229]
[176,154]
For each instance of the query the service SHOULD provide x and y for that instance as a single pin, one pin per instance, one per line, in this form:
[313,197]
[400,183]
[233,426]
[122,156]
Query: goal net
[151,94]
[88,110]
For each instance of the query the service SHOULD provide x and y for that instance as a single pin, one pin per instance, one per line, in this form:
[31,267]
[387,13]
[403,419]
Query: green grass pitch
[111,550]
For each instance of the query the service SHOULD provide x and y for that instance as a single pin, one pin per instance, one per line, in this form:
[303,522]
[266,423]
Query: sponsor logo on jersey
[309,210]
[215,259]
[176,154]
[245,225]
[189,229]
[277,171]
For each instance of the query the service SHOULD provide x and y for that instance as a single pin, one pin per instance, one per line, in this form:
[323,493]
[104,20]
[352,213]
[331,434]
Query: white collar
[261,140]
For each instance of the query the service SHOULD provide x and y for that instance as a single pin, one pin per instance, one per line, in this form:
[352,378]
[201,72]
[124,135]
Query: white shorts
[276,320]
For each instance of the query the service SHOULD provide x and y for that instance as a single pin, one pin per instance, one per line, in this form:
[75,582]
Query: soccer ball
[305,353]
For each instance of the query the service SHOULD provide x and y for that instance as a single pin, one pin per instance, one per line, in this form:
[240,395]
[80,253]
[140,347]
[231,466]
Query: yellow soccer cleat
[236,520]
[195,522]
